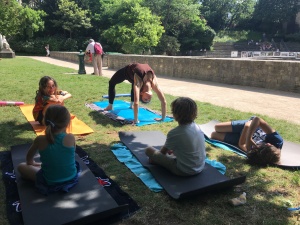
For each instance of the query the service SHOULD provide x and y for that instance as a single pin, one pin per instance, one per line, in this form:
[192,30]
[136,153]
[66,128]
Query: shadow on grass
[11,134]
[260,208]
[208,208]
[99,118]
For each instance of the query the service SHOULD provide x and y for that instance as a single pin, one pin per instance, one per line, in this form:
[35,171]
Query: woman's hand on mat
[159,119]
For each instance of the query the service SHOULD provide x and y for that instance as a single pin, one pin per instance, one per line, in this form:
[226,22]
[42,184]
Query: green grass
[269,190]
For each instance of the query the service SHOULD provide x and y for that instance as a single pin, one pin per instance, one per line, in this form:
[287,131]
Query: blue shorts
[45,189]
[234,136]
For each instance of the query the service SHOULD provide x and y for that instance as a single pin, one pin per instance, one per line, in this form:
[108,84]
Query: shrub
[37,46]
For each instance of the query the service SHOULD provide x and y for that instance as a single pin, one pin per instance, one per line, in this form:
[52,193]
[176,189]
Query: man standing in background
[96,50]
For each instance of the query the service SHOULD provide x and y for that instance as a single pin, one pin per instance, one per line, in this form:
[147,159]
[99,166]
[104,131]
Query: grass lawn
[269,190]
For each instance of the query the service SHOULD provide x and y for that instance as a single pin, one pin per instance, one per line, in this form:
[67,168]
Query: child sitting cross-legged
[47,94]
[183,153]
[58,170]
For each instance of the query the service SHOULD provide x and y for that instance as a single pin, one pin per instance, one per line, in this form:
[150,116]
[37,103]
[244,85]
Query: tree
[31,21]
[195,37]
[273,15]
[131,27]
[174,13]
[168,45]
[223,14]
[71,17]
[9,22]
[17,20]
[181,20]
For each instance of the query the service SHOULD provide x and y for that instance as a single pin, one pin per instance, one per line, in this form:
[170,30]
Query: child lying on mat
[47,94]
[255,136]
[183,153]
[58,170]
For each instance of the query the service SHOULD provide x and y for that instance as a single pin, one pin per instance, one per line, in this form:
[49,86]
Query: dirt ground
[276,104]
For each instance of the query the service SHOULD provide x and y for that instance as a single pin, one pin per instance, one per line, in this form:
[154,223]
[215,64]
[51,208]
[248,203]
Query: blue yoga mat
[125,156]
[225,146]
[122,110]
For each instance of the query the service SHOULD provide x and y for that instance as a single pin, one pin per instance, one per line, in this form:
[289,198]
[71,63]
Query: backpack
[98,48]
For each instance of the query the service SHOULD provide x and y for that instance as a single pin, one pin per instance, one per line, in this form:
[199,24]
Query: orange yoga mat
[77,127]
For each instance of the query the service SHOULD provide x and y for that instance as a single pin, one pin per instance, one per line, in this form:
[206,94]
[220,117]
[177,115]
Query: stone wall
[272,74]
[72,57]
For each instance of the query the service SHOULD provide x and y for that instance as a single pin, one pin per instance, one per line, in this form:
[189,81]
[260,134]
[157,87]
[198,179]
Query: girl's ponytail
[57,117]
[49,132]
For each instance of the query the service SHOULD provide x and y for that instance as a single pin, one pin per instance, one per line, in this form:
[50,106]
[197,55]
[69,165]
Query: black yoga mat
[290,152]
[177,187]
[87,203]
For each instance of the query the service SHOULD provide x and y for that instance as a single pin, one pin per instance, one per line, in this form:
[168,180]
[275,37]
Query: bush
[69,45]
[168,45]
[37,46]
[236,36]
[293,37]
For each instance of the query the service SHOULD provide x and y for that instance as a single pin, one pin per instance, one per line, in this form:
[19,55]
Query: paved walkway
[276,104]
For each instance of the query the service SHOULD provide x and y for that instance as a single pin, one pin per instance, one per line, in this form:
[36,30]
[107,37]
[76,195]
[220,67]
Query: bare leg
[28,171]
[149,152]
[218,136]
[156,157]
[223,127]
[220,131]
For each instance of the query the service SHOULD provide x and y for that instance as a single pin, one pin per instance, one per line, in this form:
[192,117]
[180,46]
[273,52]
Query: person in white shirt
[97,59]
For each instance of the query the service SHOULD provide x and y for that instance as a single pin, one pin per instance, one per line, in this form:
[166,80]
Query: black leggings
[117,78]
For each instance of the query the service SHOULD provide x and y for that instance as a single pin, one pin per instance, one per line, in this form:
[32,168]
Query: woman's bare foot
[108,108]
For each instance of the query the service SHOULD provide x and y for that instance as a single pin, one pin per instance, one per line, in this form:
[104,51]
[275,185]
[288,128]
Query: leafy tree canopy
[31,21]
[181,20]
[223,14]
[273,15]
[16,20]
[9,23]
[131,27]
[275,10]
[71,17]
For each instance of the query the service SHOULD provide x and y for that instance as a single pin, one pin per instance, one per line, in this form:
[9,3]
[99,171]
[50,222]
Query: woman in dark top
[143,80]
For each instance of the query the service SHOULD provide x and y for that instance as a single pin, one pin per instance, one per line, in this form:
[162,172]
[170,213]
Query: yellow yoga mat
[77,127]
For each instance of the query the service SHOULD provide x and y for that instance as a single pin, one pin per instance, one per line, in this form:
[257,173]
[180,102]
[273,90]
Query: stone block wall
[72,57]
[272,74]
